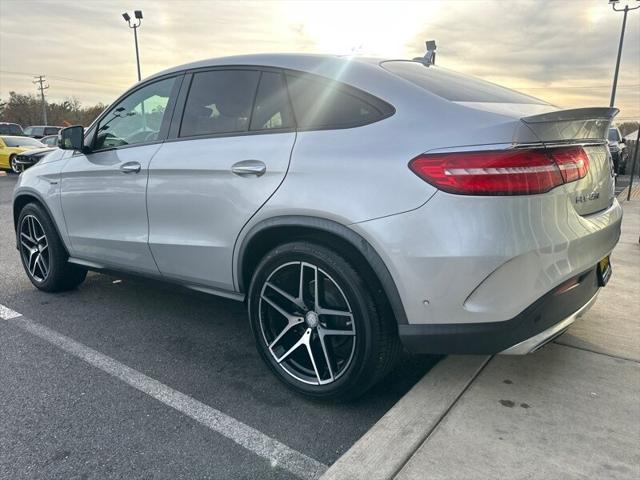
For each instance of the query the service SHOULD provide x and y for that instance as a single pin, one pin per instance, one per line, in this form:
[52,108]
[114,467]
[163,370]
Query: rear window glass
[271,109]
[325,104]
[455,86]
[22,142]
[219,102]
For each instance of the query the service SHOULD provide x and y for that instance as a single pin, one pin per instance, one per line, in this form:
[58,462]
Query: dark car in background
[10,129]
[28,159]
[618,149]
[39,131]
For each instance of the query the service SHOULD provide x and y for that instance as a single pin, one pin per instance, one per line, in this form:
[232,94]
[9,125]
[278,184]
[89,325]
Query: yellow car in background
[11,146]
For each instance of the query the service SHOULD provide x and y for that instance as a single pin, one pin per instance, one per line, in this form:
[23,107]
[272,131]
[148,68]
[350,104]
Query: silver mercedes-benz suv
[356,205]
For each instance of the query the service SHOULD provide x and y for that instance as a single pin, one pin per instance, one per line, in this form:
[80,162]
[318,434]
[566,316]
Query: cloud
[86,49]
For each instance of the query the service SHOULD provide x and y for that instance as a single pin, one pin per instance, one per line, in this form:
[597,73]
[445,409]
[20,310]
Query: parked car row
[12,146]
[17,153]
[34,131]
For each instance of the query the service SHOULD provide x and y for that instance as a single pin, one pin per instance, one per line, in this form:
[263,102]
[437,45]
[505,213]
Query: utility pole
[626,10]
[40,80]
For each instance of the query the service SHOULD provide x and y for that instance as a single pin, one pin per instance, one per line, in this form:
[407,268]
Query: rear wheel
[316,323]
[43,255]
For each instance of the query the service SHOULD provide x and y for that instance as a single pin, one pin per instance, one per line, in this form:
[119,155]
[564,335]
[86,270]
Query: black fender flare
[345,233]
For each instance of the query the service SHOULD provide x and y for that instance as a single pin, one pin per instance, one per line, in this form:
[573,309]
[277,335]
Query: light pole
[626,10]
[135,25]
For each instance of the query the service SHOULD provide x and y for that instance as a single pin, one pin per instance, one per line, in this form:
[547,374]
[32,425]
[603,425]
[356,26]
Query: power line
[39,80]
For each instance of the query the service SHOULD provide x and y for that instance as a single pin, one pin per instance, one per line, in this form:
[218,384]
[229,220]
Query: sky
[562,51]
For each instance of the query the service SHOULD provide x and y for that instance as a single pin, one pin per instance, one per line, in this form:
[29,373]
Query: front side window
[219,102]
[51,130]
[327,104]
[137,118]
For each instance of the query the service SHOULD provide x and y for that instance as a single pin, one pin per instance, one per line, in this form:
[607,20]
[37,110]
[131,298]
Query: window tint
[34,131]
[614,135]
[325,104]
[455,86]
[51,130]
[271,108]
[137,118]
[219,102]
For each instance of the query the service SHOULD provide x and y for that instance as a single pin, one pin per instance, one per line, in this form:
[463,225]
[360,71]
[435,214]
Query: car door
[219,168]
[103,192]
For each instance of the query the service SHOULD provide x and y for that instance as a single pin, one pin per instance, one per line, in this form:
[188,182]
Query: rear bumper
[538,324]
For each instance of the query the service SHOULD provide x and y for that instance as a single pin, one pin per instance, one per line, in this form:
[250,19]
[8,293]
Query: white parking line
[278,454]
[7,313]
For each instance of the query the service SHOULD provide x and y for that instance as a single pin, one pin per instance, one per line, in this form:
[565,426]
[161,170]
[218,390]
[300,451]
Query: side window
[15,129]
[38,131]
[219,102]
[326,104]
[271,109]
[50,130]
[137,118]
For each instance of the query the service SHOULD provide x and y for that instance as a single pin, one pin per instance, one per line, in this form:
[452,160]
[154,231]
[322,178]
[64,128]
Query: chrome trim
[532,344]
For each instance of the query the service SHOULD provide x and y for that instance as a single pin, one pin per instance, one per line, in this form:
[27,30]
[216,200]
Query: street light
[626,10]
[135,25]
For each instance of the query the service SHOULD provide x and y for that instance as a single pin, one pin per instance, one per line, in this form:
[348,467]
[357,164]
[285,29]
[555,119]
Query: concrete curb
[388,445]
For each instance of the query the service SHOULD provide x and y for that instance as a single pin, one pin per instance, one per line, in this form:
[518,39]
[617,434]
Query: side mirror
[72,138]
[622,140]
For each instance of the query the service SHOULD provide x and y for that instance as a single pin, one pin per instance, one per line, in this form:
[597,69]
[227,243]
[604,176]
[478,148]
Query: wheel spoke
[331,332]
[326,354]
[313,361]
[279,309]
[337,313]
[33,261]
[290,324]
[24,235]
[290,298]
[44,268]
[316,300]
[298,344]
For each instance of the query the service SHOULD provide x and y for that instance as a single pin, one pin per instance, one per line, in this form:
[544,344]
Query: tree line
[27,110]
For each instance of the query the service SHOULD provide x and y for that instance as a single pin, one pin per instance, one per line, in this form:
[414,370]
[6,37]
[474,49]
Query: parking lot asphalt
[64,418]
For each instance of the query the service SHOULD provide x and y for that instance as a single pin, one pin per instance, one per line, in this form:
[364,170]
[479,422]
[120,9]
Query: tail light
[502,172]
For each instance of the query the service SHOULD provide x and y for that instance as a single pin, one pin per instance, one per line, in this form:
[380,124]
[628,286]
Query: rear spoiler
[578,124]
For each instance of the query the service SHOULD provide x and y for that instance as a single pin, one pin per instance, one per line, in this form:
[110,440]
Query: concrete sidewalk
[570,410]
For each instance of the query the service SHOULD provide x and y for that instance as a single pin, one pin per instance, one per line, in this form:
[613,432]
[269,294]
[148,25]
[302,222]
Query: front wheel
[15,168]
[316,323]
[43,255]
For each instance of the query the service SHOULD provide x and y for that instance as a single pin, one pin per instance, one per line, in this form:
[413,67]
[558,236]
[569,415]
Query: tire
[12,167]
[43,254]
[360,338]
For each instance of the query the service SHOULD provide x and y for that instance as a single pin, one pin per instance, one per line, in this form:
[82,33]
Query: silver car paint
[472,259]
[192,236]
[105,208]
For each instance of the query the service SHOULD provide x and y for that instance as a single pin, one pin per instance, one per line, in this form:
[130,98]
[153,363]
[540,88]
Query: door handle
[130,167]
[246,168]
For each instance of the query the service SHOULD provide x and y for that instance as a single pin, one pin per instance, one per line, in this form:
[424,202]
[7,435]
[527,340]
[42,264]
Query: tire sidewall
[359,300]
[57,254]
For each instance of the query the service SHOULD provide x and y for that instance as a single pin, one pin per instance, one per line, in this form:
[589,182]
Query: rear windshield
[21,142]
[455,86]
